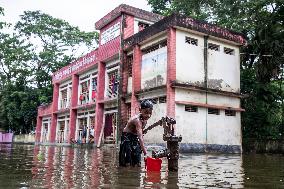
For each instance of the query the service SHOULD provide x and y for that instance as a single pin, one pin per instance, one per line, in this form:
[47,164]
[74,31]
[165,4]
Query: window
[63,100]
[64,96]
[191,41]
[158,100]
[190,108]
[229,51]
[113,83]
[154,100]
[129,62]
[162,99]
[213,111]
[155,47]
[84,92]
[142,26]
[230,112]
[94,89]
[213,47]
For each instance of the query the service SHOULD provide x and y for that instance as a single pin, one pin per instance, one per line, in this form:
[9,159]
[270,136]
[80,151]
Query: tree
[55,45]
[38,46]
[262,59]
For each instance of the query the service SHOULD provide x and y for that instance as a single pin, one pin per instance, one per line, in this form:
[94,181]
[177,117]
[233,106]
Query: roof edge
[186,22]
[123,8]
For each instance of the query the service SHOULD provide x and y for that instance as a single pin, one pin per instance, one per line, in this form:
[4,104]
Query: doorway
[110,128]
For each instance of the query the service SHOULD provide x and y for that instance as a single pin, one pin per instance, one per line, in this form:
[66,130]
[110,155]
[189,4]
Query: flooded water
[28,166]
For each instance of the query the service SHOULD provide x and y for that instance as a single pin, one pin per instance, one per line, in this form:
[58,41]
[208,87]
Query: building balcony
[64,103]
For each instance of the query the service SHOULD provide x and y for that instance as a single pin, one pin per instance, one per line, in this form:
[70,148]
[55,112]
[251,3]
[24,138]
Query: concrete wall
[191,125]
[190,96]
[189,59]
[195,127]
[27,138]
[224,130]
[159,110]
[223,69]
[219,100]
[156,135]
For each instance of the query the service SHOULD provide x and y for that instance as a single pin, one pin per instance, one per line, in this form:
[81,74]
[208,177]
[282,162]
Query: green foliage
[261,60]
[193,8]
[39,45]
[18,108]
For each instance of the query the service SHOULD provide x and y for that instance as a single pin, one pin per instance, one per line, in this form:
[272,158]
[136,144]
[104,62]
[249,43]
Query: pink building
[190,70]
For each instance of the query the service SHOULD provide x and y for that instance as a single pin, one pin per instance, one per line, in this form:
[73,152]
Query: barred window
[191,41]
[154,100]
[162,99]
[213,111]
[213,47]
[230,112]
[155,47]
[190,108]
[229,51]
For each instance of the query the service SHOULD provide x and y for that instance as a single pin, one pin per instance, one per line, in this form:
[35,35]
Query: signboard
[110,33]
[82,62]
[154,68]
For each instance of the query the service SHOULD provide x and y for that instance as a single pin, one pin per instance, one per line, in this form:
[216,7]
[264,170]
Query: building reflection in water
[66,167]
[221,171]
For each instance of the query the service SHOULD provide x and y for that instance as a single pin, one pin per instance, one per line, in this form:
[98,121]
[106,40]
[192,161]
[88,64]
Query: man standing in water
[132,143]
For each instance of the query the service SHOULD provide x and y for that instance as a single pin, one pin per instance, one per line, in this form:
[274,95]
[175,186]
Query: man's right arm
[138,125]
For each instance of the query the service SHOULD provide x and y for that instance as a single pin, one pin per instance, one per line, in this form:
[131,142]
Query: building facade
[190,70]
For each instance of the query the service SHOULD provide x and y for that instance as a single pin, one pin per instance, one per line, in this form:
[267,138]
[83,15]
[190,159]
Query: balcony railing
[64,103]
[84,98]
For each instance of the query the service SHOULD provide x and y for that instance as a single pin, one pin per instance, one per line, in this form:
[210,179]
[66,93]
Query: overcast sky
[82,13]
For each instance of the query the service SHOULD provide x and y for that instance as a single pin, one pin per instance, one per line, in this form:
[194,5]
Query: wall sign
[74,67]
[110,33]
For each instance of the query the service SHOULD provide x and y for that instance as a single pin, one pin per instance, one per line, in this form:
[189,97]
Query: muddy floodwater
[29,166]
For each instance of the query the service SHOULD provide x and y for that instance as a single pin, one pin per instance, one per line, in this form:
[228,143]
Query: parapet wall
[26,138]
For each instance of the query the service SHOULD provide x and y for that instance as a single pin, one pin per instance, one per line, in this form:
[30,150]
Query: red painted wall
[112,47]
[44,110]
[80,64]
[73,112]
[54,115]
[136,79]
[171,71]
[38,128]
[100,97]
[128,26]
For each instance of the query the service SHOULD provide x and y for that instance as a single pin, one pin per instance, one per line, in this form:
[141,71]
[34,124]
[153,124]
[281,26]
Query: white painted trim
[110,112]
[90,72]
[111,63]
[152,42]
[130,53]
[113,69]
[68,82]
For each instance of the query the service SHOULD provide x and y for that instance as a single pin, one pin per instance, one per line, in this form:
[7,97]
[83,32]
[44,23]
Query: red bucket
[153,164]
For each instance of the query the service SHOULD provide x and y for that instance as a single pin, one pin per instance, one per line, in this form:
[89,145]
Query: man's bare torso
[134,124]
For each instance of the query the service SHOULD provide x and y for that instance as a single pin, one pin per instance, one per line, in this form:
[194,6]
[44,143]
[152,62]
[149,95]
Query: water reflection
[65,167]
[219,171]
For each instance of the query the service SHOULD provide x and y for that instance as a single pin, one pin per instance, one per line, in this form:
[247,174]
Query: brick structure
[190,70]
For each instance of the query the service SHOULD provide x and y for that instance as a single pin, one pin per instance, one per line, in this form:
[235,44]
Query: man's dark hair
[146,104]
